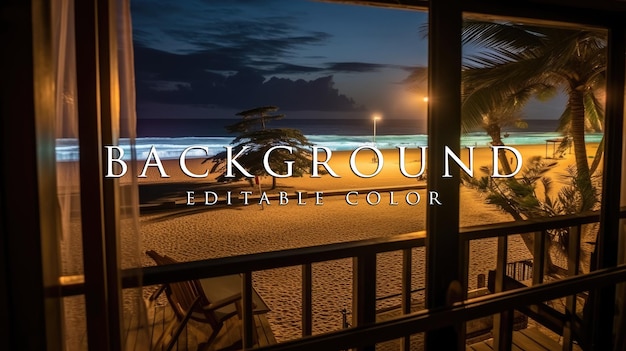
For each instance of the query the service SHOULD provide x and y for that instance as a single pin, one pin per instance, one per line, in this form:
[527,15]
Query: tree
[537,61]
[522,55]
[500,113]
[255,140]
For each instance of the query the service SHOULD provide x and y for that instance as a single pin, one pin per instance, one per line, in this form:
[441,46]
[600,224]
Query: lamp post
[375,118]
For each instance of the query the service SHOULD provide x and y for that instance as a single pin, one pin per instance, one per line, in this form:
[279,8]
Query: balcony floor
[229,338]
[530,339]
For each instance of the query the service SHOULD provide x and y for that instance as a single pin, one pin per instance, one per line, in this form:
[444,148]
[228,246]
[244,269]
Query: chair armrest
[224,302]
[157,292]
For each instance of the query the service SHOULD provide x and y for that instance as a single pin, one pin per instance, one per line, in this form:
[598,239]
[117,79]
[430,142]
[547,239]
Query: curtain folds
[134,312]
[68,174]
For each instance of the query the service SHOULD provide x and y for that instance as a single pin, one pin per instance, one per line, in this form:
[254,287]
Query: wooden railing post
[573,267]
[503,321]
[608,235]
[364,292]
[539,258]
[247,316]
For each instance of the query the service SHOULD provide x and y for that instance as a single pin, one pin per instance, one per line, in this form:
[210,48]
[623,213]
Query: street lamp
[375,118]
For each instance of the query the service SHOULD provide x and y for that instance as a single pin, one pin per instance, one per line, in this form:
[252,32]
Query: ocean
[171,137]
[343,127]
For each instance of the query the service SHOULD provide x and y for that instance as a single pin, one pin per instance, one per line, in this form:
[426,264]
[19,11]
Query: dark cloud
[247,87]
[358,67]
[234,61]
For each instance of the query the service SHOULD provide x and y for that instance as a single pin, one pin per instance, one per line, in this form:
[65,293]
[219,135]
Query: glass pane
[68,173]
[321,70]
[537,94]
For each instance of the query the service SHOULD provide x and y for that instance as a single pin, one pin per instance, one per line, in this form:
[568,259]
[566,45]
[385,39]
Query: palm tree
[530,56]
[502,112]
[521,61]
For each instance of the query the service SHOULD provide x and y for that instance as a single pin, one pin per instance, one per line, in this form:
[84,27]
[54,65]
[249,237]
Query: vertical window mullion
[93,72]
[608,235]
[110,109]
[444,130]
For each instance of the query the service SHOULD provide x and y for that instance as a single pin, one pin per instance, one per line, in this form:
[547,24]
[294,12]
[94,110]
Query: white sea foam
[171,148]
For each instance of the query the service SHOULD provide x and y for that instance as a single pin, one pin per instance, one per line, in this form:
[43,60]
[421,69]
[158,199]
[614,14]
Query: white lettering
[190,198]
[417,198]
[433,197]
[318,198]
[422,163]
[446,159]
[228,198]
[231,161]
[206,198]
[266,162]
[300,202]
[283,199]
[379,160]
[356,193]
[245,196]
[518,158]
[117,160]
[158,164]
[183,164]
[392,201]
[264,198]
[315,163]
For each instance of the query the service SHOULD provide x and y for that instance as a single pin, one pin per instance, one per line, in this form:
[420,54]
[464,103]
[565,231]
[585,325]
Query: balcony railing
[365,331]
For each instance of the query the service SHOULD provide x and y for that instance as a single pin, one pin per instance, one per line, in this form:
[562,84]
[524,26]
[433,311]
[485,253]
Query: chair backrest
[182,295]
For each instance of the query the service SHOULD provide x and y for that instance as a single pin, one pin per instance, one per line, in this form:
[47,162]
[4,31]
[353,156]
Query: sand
[200,232]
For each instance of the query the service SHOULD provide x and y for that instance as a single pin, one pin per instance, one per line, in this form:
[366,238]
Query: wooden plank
[526,343]
[481,346]
[264,328]
[260,332]
[513,346]
[230,334]
[161,317]
[541,339]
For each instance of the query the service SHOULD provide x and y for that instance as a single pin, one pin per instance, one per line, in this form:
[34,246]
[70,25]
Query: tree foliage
[520,61]
[530,195]
[255,139]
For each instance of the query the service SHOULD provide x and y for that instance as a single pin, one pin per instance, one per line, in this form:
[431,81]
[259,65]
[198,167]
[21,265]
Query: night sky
[210,59]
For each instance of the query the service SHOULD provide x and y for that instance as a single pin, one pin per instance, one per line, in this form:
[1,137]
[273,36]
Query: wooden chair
[211,301]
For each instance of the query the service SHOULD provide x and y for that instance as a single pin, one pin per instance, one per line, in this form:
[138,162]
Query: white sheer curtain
[134,312]
[68,174]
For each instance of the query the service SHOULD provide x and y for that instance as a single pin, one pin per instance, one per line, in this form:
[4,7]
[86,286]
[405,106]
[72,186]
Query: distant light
[377,117]
[425,98]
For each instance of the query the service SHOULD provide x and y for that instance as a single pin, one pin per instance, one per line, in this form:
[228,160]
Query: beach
[341,213]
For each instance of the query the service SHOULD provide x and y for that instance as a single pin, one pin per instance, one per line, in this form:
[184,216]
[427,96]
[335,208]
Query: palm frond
[594,112]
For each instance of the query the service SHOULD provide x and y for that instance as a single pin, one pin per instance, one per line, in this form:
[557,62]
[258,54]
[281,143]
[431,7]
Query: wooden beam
[30,319]
[443,251]
[607,242]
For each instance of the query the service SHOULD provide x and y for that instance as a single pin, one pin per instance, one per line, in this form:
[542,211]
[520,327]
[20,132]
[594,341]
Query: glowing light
[425,98]
[375,118]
